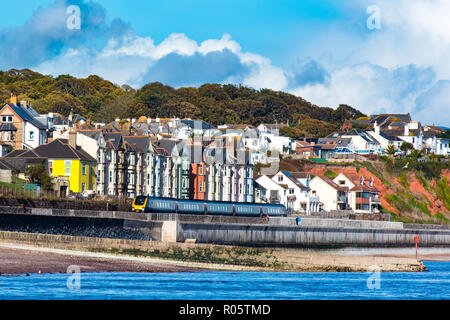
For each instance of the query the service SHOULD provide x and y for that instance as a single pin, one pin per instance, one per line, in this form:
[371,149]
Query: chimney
[13,99]
[73,139]
[376,128]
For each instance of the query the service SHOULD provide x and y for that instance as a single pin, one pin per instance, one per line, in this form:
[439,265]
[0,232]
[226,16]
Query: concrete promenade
[308,232]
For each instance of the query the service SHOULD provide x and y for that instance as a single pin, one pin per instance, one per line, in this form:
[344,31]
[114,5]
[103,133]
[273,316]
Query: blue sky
[321,50]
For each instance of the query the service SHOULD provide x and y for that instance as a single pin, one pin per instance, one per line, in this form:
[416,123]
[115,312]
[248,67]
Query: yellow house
[68,163]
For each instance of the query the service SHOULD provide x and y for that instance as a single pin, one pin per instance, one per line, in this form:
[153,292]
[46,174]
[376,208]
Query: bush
[330,174]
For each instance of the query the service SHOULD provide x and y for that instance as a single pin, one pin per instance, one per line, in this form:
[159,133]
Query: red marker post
[416,240]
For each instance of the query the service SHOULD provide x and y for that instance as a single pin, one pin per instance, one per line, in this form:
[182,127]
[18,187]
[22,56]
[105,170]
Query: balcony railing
[375,200]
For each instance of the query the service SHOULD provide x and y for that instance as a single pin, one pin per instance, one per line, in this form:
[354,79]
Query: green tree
[391,150]
[445,135]
[37,174]
[406,146]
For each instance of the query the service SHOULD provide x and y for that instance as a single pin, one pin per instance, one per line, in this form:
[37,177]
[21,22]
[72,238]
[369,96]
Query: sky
[378,56]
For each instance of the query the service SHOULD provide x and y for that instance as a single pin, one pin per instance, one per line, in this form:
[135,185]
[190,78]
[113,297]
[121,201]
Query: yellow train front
[162,205]
[139,204]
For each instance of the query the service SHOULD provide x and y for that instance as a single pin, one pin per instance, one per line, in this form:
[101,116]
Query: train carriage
[247,209]
[220,208]
[191,207]
[163,205]
[201,207]
[274,210]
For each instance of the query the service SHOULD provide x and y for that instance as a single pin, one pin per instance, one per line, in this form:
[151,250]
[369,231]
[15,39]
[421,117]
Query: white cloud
[371,88]
[129,58]
[401,68]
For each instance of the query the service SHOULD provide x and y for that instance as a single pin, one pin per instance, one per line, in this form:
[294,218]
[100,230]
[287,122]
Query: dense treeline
[102,100]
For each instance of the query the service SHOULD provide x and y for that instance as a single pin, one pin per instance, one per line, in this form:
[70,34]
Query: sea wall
[308,236]
[286,231]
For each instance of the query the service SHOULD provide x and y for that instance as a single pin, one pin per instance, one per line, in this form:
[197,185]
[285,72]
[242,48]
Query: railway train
[201,207]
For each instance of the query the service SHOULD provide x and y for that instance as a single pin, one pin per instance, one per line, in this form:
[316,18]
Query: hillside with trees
[101,100]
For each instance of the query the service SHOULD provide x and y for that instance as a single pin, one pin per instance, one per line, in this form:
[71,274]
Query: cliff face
[409,196]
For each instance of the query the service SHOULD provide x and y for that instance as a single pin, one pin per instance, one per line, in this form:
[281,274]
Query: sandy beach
[22,258]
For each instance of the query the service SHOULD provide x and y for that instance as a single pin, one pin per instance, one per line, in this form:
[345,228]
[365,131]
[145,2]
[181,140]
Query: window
[202,186]
[341,182]
[83,187]
[84,169]
[31,136]
[110,177]
[291,191]
[50,167]
[7,119]
[280,178]
[67,166]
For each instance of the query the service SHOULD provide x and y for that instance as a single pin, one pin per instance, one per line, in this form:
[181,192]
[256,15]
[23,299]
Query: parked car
[87,195]
[75,196]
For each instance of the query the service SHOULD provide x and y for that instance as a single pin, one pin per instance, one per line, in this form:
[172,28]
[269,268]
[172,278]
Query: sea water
[208,285]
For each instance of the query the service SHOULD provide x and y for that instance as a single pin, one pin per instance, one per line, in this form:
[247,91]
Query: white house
[442,146]
[363,197]
[289,189]
[332,196]
[413,134]
[268,191]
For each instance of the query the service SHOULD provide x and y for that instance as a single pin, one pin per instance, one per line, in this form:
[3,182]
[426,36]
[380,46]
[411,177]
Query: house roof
[93,134]
[294,179]
[20,164]
[356,180]
[26,115]
[169,145]
[15,153]
[140,143]
[113,140]
[297,175]
[57,149]
[272,126]
[7,127]
[364,188]
[333,184]
[197,124]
